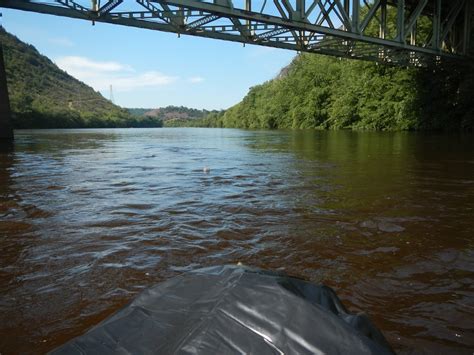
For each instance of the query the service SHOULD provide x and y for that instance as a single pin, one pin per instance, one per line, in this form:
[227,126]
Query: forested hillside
[330,93]
[44,96]
[173,116]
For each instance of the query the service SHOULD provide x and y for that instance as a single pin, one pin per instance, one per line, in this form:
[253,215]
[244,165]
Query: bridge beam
[466,34]
[341,28]
[6,126]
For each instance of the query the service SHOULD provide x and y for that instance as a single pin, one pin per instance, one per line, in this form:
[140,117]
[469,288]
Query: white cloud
[100,75]
[147,79]
[79,64]
[196,79]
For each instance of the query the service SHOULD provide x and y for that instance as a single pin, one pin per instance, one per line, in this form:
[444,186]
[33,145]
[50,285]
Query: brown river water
[89,218]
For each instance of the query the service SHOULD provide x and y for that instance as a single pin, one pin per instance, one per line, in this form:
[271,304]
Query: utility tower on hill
[112,94]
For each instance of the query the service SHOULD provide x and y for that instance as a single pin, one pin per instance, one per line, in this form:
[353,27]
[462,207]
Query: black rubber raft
[232,310]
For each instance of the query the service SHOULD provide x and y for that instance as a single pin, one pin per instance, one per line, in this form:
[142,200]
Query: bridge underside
[404,32]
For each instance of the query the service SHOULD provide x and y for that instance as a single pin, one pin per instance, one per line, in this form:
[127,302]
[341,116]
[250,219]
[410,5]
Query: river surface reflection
[89,218]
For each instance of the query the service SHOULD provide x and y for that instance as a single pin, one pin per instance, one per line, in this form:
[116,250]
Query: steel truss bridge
[405,32]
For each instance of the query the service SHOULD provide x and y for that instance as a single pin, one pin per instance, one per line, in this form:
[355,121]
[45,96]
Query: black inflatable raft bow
[232,310]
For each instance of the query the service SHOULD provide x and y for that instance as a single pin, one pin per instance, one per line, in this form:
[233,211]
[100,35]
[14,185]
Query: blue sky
[149,68]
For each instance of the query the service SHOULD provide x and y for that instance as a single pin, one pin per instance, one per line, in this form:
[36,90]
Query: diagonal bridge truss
[404,32]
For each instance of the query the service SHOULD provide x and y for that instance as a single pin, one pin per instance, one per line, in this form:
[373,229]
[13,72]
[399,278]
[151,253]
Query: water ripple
[90,218]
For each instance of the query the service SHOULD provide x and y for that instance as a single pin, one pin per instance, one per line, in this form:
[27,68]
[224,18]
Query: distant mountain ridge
[44,96]
[172,113]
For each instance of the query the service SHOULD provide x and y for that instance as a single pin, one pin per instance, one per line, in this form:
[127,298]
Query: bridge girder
[405,32]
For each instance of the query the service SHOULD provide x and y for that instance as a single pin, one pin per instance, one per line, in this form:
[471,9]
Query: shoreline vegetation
[321,92]
[175,116]
[313,92]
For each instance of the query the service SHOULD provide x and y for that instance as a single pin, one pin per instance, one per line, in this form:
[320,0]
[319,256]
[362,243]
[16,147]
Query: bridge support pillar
[6,126]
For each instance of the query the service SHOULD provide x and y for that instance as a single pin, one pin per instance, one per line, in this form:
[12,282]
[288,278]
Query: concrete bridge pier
[6,126]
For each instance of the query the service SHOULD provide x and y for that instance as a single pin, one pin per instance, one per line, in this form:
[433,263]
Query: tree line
[331,93]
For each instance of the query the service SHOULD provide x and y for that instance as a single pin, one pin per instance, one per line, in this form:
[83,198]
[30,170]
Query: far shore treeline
[314,91]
